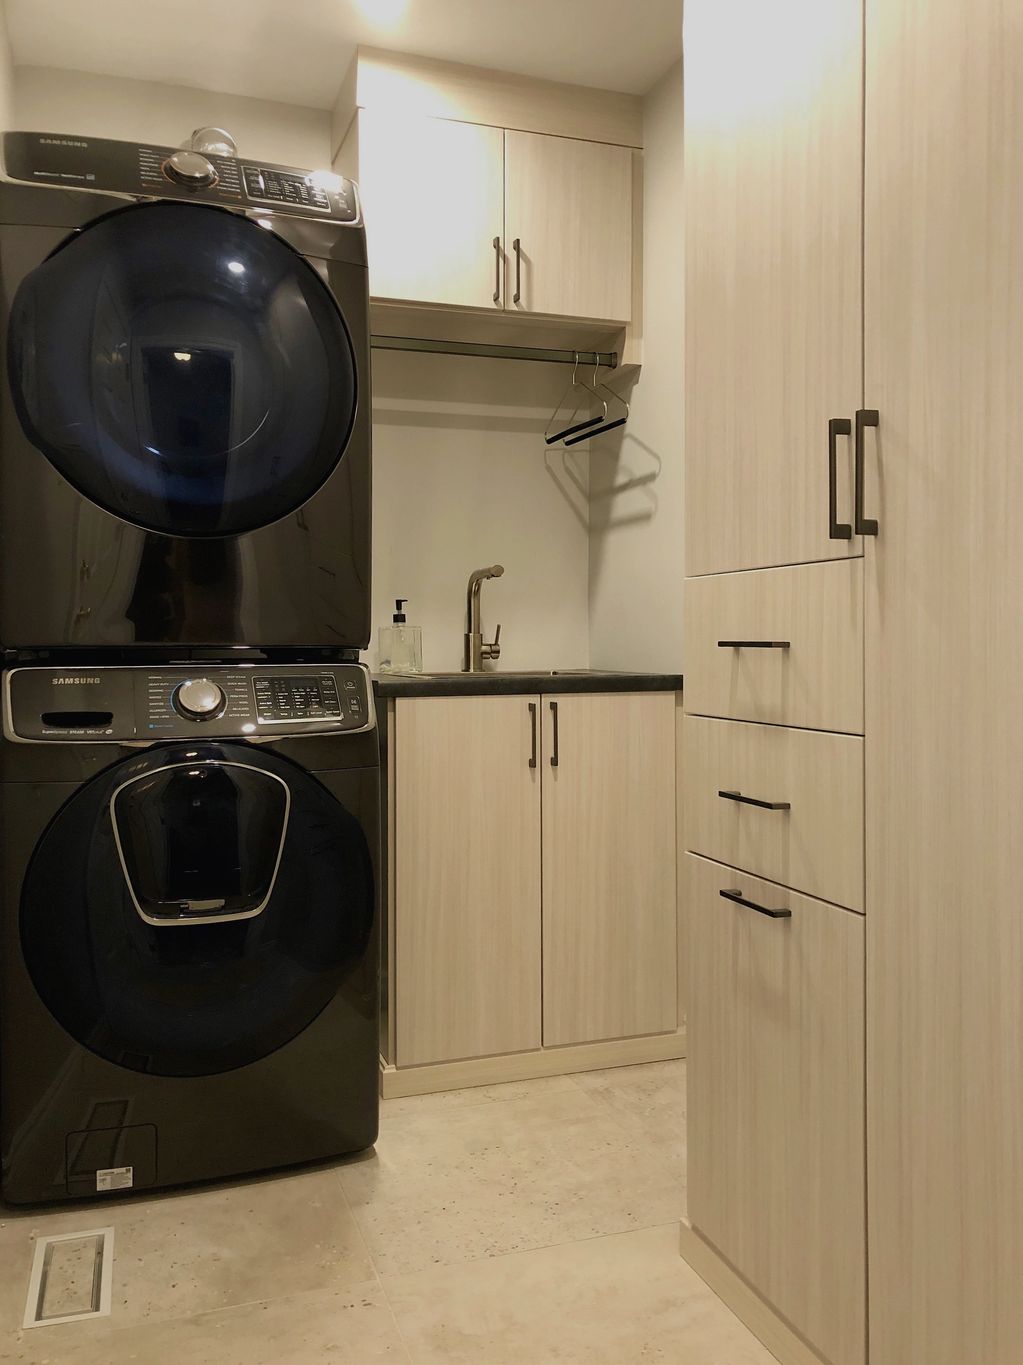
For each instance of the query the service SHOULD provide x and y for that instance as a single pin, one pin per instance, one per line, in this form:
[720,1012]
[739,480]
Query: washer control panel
[146,704]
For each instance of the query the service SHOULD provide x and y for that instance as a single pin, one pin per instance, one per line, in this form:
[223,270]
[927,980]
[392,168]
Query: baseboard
[780,1339]
[529,1066]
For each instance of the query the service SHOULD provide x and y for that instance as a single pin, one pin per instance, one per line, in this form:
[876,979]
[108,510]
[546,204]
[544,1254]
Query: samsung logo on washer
[62,142]
[62,682]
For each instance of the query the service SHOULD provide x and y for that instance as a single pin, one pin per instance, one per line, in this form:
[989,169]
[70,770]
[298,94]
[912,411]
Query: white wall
[6,75]
[50,100]
[635,549]
[462,479]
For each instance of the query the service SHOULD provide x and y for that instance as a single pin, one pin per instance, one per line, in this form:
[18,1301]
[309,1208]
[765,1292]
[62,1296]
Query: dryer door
[183,368]
[193,910]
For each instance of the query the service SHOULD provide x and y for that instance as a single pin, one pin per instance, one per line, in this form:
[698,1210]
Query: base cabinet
[515,931]
[776,1098]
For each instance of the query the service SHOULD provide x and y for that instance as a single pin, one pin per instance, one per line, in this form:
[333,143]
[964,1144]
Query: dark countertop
[514,683]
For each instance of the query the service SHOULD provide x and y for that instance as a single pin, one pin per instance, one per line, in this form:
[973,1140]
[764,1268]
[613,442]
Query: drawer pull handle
[754,644]
[532,722]
[837,530]
[554,750]
[740,899]
[865,417]
[752,801]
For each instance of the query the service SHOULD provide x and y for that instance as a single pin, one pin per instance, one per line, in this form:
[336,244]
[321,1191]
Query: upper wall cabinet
[773,102]
[433,195]
[568,226]
[510,197]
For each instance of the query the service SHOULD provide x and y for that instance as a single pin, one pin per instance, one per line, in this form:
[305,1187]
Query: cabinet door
[776,1149]
[609,902]
[773,149]
[433,195]
[467,878]
[569,205]
[944,663]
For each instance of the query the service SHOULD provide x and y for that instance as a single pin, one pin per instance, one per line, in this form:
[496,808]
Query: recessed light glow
[264,222]
[236,267]
[387,13]
[248,727]
[182,355]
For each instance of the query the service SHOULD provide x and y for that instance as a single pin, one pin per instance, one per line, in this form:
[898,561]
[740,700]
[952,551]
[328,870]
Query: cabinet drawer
[813,839]
[776,1108]
[778,645]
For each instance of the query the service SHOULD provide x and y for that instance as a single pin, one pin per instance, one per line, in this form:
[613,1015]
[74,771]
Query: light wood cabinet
[944,580]
[568,204]
[780,646]
[609,896]
[776,1075]
[433,198]
[446,201]
[512,934]
[784,804]
[773,267]
[467,871]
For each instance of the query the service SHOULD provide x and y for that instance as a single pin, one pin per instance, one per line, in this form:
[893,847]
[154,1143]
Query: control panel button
[190,168]
[199,699]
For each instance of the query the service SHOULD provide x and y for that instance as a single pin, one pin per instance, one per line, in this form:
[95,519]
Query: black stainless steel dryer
[184,415]
[188,924]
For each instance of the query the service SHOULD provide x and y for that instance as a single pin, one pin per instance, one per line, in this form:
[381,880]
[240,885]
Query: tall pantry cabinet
[853,604]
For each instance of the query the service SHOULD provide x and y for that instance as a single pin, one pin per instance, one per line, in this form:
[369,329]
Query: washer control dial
[199,699]
[191,169]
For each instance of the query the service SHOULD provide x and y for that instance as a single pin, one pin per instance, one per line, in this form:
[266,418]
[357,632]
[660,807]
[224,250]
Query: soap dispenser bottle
[401,645]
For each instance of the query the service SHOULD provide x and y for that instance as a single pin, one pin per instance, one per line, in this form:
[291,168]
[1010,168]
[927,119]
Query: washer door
[192,911]
[183,368]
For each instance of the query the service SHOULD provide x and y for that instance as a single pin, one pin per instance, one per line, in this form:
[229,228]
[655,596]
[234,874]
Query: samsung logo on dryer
[62,142]
[62,682]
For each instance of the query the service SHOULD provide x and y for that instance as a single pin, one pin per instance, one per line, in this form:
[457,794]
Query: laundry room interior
[509,775]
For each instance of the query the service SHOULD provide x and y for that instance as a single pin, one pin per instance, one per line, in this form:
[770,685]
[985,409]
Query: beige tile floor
[527,1223]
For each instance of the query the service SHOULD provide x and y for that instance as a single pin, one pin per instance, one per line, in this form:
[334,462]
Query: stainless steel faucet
[476,648]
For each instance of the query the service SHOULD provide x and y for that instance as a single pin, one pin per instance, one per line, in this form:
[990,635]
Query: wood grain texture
[609,890]
[776,1101]
[528,1066]
[424,245]
[570,204]
[944,587]
[817,846]
[816,683]
[773,270]
[467,879]
[427,87]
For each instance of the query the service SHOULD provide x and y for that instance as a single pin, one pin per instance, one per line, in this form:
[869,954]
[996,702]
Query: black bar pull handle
[532,722]
[754,644]
[838,530]
[554,750]
[517,248]
[497,270]
[752,801]
[740,899]
[865,417]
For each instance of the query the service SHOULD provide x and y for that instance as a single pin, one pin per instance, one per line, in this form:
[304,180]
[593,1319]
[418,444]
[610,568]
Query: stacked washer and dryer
[189,771]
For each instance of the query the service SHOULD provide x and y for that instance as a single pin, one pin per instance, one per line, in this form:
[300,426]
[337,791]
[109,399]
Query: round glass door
[194,910]
[184,368]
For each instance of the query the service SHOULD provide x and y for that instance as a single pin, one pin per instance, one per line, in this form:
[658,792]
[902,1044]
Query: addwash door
[194,910]
[185,455]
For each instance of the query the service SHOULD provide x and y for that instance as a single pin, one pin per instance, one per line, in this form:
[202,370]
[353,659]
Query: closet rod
[608,359]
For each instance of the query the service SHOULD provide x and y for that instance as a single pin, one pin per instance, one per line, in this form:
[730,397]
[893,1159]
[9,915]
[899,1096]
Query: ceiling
[298,50]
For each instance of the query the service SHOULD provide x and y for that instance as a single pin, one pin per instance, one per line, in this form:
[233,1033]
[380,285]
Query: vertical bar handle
[497,270]
[532,722]
[517,248]
[554,751]
[865,417]
[837,530]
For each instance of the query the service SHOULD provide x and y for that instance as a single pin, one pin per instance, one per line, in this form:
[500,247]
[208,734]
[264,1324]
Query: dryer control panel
[147,704]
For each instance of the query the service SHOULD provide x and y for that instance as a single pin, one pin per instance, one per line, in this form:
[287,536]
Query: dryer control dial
[199,699]
[191,169]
